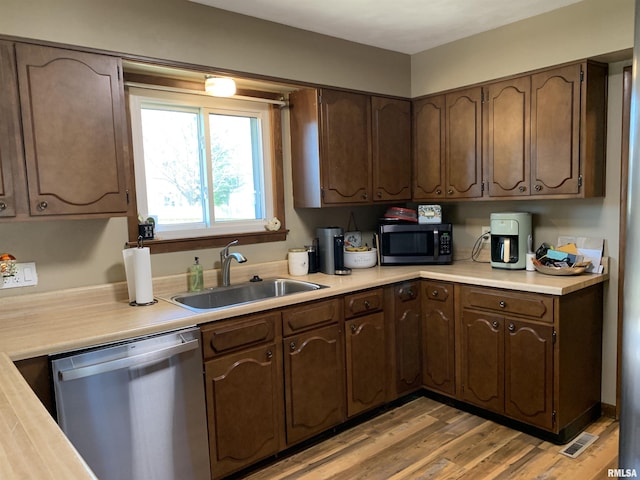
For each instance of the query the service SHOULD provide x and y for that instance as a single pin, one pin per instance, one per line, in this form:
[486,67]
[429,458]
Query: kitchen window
[205,166]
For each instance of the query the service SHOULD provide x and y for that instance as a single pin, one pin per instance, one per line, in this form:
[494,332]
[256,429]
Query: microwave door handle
[436,244]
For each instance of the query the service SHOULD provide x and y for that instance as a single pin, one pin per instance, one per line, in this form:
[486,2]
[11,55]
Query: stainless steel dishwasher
[136,410]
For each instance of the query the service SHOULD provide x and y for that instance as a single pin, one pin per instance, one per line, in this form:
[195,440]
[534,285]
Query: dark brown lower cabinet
[366,362]
[244,406]
[314,377]
[408,348]
[438,337]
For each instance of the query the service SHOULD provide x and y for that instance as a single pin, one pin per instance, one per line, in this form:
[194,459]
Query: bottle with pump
[196,277]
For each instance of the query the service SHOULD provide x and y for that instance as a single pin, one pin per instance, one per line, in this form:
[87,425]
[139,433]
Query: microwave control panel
[445,244]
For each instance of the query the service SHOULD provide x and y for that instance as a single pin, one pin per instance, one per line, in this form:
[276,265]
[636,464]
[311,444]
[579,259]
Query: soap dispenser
[196,276]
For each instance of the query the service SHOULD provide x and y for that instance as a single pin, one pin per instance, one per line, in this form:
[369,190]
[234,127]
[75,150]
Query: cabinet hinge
[482,186]
[482,95]
[127,192]
[554,336]
[553,417]
[579,180]
[319,98]
[581,75]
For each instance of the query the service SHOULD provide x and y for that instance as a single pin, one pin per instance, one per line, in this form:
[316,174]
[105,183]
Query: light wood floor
[425,439]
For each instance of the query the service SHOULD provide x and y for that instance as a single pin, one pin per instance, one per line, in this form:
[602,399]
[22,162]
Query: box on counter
[429,214]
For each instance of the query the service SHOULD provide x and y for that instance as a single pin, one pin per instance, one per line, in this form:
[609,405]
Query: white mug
[298,261]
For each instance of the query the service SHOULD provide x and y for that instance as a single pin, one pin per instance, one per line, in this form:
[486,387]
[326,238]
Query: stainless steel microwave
[415,243]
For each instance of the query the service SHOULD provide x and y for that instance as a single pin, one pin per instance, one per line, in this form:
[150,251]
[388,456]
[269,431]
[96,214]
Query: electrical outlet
[485,233]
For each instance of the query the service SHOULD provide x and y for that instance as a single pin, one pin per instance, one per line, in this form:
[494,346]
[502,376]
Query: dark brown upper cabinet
[349,148]
[71,109]
[447,143]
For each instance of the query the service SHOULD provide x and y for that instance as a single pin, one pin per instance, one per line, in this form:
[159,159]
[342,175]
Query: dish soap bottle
[196,277]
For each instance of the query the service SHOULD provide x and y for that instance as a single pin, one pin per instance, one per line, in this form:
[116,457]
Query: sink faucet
[225,262]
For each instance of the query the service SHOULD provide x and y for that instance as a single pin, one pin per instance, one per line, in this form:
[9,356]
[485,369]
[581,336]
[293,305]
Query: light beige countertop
[31,444]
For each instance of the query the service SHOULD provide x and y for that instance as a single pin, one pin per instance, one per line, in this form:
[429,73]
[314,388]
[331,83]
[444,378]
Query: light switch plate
[26,276]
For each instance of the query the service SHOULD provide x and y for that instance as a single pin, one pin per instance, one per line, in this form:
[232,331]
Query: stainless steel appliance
[510,232]
[327,248]
[407,243]
[136,410]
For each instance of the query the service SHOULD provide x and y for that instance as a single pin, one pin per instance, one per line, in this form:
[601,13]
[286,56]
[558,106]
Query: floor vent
[579,445]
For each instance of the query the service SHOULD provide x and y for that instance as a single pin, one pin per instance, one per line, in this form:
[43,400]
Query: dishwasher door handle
[127,362]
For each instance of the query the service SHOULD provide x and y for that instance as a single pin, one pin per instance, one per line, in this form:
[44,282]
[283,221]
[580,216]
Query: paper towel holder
[134,303]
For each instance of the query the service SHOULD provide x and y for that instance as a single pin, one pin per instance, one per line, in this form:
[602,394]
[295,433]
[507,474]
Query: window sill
[197,243]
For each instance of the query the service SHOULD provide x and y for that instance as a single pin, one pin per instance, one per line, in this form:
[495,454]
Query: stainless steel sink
[221,297]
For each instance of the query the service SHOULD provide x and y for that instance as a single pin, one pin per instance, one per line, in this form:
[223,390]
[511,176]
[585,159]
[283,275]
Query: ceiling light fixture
[219,86]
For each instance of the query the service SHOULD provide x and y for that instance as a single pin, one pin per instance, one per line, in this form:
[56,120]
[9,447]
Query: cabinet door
[482,359]
[463,146]
[10,138]
[73,126]
[391,149]
[345,120]
[314,380]
[366,360]
[507,136]
[555,131]
[408,338]
[438,337]
[529,373]
[428,148]
[244,408]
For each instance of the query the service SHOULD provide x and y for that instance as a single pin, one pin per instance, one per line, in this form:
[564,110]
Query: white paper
[591,249]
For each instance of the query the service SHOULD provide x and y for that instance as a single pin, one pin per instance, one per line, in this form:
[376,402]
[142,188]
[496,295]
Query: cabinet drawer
[363,302]
[437,291]
[309,315]
[532,305]
[220,338]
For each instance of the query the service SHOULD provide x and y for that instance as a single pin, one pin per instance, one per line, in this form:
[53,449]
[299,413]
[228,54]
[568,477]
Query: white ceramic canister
[298,261]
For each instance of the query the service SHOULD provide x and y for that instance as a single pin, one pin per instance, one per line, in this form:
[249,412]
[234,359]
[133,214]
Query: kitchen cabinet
[314,371]
[365,351]
[11,158]
[568,130]
[406,359]
[438,336]
[243,379]
[447,150]
[349,148]
[72,130]
[532,357]
[507,137]
[391,149]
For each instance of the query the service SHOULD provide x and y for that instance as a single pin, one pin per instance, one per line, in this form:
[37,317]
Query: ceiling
[406,26]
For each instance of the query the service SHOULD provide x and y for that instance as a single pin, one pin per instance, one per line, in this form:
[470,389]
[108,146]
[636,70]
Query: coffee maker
[331,250]
[510,233]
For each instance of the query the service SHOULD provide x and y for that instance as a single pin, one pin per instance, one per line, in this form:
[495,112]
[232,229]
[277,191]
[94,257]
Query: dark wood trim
[622,234]
[198,243]
[610,411]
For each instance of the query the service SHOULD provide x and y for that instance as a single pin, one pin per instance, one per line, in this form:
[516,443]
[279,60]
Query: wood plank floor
[425,439]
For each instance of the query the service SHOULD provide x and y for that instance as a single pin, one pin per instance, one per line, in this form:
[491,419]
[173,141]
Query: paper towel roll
[137,266]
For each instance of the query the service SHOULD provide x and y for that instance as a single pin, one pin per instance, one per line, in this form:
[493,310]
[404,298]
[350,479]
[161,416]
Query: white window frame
[139,96]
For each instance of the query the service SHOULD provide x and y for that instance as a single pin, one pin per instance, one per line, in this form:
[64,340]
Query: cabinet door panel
[529,373]
[507,137]
[464,143]
[73,119]
[391,149]
[555,131]
[482,356]
[244,406]
[438,337]
[408,338]
[10,138]
[345,147]
[314,382]
[366,360]
[428,148]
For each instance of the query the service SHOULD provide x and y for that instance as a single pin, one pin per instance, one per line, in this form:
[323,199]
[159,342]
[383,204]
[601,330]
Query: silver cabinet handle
[127,362]
[42,206]
[3,206]
[495,325]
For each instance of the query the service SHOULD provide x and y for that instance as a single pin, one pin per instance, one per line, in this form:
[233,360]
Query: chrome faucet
[225,262]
